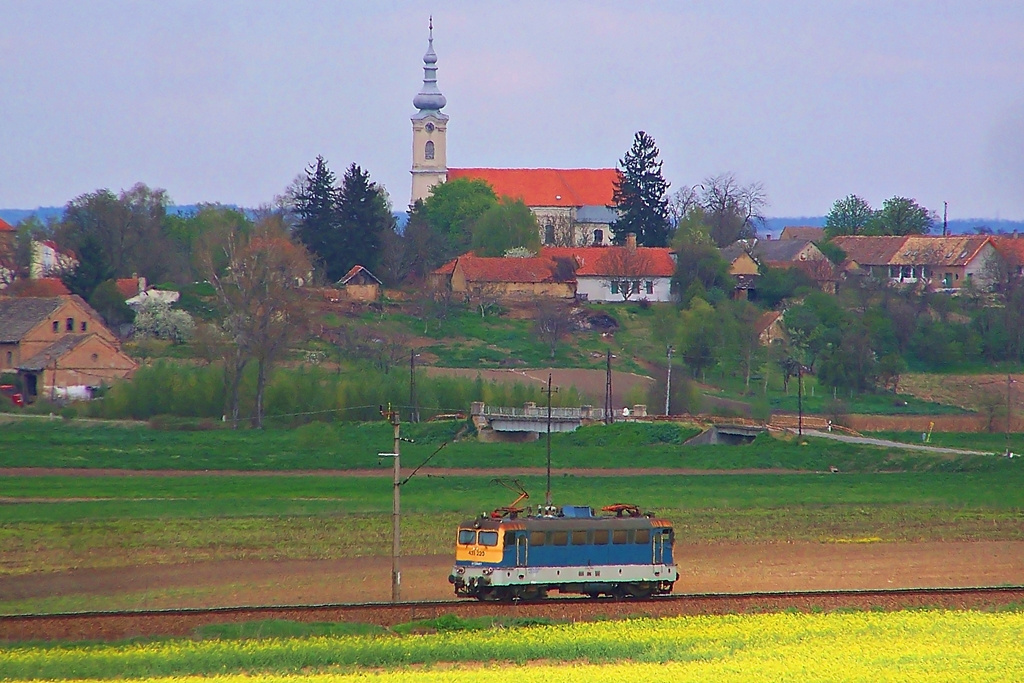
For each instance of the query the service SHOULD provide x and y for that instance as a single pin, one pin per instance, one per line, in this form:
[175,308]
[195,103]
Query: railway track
[116,625]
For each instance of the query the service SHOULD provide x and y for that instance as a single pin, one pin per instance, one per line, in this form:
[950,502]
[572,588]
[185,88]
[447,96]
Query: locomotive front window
[537,538]
[489,538]
[619,536]
[510,539]
[467,536]
[601,537]
[643,536]
[560,538]
[579,538]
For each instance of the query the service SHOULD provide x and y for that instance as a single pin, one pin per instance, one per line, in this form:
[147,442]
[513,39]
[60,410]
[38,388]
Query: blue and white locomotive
[508,555]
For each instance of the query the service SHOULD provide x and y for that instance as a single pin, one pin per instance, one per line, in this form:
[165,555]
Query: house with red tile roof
[626,273]
[508,278]
[944,262]
[571,204]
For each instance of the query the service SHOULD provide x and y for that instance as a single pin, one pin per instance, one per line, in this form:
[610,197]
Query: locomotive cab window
[600,537]
[579,538]
[489,538]
[510,538]
[560,538]
[643,536]
[620,536]
[467,536]
[536,538]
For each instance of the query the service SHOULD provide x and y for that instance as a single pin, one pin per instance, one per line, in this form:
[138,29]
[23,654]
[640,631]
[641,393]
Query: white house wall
[599,289]
[976,269]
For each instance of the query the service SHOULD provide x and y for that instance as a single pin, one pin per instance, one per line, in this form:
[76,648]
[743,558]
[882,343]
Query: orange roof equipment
[547,186]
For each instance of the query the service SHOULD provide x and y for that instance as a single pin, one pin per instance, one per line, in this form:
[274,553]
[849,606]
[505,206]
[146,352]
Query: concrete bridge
[494,423]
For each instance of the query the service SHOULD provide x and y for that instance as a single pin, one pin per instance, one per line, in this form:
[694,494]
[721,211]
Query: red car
[8,390]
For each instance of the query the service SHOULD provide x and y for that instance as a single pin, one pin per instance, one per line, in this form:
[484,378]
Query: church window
[428,150]
[549,233]
[599,236]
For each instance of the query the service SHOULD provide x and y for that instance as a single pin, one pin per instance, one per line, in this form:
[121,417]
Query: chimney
[631,241]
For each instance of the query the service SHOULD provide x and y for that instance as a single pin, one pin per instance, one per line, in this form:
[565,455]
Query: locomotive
[510,556]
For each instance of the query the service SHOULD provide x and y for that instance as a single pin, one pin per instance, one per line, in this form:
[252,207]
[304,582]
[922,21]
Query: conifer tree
[316,205]
[364,214]
[640,195]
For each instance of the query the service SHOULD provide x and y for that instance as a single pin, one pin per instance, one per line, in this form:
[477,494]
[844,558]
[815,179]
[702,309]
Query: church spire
[429,99]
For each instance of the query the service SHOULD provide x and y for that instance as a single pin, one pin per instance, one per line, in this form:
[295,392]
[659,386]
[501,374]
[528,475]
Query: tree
[259,289]
[506,225]
[701,342]
[129,228]
[732,211]
[92,269]
[700,269]
[551,324]
[903,216]
[315,204]
[640,195]
[452,208]
[364,214]
[851,215]
[108,301]
[157,320]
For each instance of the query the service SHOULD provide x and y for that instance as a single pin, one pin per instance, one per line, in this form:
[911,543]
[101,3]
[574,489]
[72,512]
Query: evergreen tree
[364,214]
[640,195]
[316,205]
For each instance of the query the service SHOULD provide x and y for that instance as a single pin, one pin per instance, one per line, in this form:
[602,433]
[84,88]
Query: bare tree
[260,288]
[551,323]
[732,211]
[625,269]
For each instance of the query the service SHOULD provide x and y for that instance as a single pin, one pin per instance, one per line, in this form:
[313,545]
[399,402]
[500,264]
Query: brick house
[58,346]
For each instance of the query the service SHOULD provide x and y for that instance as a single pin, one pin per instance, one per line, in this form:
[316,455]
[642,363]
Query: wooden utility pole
[608,419]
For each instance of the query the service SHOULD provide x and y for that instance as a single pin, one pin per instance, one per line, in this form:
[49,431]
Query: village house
[506,278]
[359,284]
[50,260]
[58,346]
[802,232]
[743,270]
[626,273]
[944,262]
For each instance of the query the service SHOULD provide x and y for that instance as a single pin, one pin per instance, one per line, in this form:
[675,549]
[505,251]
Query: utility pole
[608,419]
[415,416]
[800,399]
[945,223]
[547,496]
[1008,382]
[396,508]
[668,381]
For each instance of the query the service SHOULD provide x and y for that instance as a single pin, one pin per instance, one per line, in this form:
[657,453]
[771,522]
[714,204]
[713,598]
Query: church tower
[429,128]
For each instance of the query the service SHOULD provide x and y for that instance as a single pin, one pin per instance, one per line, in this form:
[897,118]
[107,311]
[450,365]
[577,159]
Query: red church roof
[547,186]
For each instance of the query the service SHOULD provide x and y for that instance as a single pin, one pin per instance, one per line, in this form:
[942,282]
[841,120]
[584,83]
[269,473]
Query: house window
[95,357]
[83,326]
[650,287]
[56,326]
[69,325]
[894,272]
[947,280]
[615,290]
[599,236]
[428,150]
[10,358]
[549,233]
[636,286]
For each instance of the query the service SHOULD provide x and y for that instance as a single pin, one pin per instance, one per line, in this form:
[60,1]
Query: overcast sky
[229,101]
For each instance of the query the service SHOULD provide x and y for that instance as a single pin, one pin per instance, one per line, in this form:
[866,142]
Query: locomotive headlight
[460,571]
[488,571]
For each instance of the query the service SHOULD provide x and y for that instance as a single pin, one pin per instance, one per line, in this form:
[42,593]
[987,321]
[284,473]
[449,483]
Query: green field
[316,446]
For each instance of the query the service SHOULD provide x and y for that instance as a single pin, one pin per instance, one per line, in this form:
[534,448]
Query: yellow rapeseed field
[873,647]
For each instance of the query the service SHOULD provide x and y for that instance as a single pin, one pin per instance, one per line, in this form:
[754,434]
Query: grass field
[62,444]
[69,522]
[858,646]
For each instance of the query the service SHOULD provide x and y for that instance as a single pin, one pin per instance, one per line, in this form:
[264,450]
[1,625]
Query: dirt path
[720,567]
[891,444]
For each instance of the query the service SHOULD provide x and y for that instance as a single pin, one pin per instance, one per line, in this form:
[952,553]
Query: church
[571,204]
